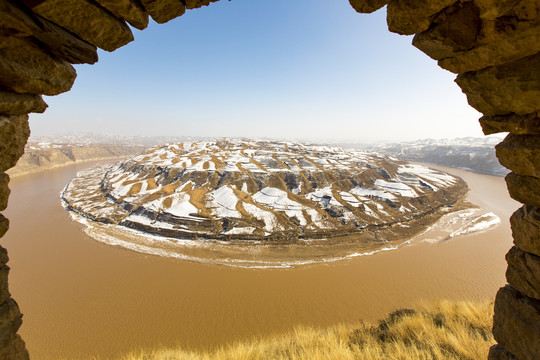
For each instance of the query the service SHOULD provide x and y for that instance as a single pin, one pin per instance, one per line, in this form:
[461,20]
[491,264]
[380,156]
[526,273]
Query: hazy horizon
[95,137]
[305,70]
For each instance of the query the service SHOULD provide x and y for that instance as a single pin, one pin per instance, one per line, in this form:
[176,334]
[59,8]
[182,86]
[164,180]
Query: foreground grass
[445,330]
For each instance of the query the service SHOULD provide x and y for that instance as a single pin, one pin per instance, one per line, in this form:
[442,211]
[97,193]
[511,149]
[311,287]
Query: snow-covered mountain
[470,153]
[257,190]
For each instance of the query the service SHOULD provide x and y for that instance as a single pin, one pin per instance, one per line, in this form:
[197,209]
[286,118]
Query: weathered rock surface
[14,349]
[4,191]
[512,123]
[524,272]
[26,67]
[497,352]
[454,30]
[510,88]
[464,41]
[11,345]
[60,42]
[491,9]
[193,4]
[4,291]
[494,53]
[3,255]
[525,224]
[129,10]
[516,324]
[164,10]
[525,189]
[367,6]
[521,154]
[19,104]
[10,320]
[4,225]
[409,17]
[14,132]
[82,17]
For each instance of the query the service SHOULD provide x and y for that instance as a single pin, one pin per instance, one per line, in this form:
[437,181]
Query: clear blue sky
[309,69]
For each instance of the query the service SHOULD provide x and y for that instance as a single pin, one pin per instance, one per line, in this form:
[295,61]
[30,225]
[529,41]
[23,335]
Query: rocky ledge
[257,190]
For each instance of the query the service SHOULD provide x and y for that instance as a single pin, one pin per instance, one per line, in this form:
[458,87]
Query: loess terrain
[43,156]
[262,190]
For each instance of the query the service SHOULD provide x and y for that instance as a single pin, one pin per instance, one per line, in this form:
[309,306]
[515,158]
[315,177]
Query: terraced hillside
[262,190]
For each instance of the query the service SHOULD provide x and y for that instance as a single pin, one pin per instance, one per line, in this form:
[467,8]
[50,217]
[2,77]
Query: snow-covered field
[260,190]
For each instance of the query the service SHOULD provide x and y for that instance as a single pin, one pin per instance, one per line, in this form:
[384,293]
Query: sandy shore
[84,299]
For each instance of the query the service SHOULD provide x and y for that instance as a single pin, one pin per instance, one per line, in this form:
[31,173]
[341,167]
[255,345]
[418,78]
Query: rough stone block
[10,320]
[510,88]
[3,252]
[463,41]
[193,4]
[516,324]
[60,42]
[512,123]
[505,48]
[525,224]
[523,272]
[14,132]
[18,104]
[4,191]
[497,352]
[525,189]
[14,349]
[164,10]
[4,226]
[521,154]
[85,19]
[26,67]
[407,17]
[491,9]
[367,6]
[4,291]
[129,10]
[454,30]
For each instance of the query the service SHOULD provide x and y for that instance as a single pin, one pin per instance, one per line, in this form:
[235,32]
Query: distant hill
[49,152]
[42,156]
[469,153]
[46,152]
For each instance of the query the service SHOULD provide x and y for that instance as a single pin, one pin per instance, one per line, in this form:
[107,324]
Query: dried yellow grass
[443,330]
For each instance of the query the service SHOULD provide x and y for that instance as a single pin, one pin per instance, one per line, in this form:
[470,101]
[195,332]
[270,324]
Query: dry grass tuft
[443,330]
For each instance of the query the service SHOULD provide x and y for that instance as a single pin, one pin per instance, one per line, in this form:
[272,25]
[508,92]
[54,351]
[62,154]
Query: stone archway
[494,46]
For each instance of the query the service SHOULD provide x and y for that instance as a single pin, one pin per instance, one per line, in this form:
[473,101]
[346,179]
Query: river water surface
[84,299]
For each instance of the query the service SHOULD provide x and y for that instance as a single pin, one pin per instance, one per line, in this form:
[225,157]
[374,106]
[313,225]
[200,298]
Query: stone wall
[494,46]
